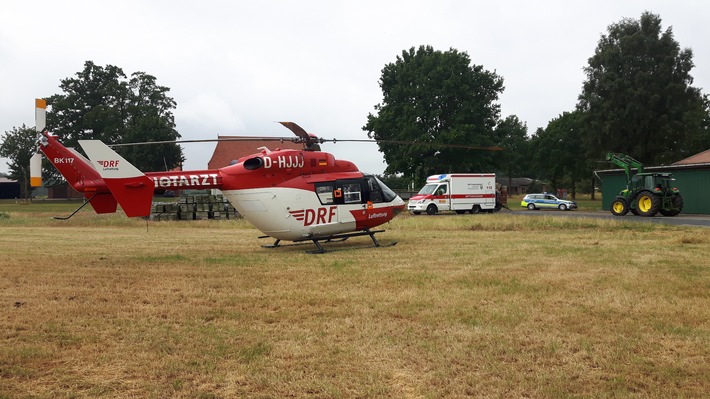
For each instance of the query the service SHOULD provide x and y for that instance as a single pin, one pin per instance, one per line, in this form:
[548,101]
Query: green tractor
[646,194]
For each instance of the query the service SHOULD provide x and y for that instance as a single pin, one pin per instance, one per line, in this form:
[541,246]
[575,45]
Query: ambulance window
[428,189]
[325,193]
[351,193]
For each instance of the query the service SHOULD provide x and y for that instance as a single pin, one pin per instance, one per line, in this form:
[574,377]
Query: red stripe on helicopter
[373,217]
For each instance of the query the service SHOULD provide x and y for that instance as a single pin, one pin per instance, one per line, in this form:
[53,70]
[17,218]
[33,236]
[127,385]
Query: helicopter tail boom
[79,173]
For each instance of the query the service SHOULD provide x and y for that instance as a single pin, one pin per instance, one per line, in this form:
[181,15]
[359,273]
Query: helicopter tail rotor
[36,160]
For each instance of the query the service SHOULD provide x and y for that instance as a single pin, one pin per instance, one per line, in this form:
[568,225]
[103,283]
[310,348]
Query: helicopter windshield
[387,192]
[428,189]
[378,191]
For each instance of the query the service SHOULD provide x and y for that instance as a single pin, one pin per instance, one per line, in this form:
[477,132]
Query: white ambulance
[460,192]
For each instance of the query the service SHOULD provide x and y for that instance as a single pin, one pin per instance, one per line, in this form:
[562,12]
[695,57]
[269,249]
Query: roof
[703,157]
[6,180]
[227,151]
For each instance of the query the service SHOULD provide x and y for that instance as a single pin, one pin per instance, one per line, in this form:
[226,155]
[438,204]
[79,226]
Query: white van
[460,192]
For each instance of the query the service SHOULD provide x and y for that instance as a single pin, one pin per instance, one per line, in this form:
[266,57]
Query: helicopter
[289,195]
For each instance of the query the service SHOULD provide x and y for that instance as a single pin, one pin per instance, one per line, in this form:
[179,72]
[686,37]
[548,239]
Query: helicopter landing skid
[334,238]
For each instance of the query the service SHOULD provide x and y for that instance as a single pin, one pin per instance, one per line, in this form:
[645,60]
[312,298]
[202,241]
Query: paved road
[682,219]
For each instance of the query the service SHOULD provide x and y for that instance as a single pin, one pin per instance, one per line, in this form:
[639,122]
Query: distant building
[9,188]
[64,191]
[691,176]
[516,185]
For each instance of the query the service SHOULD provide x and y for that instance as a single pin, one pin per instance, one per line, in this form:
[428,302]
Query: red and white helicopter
[291,195]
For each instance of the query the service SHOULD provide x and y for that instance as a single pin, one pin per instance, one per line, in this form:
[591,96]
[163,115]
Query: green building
[692,178]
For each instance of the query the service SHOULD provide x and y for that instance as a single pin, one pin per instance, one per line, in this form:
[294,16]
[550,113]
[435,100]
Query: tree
[100,103]
[150,119]
[559,151]
[18,145]
[514,160]
[638,99]
[432,99]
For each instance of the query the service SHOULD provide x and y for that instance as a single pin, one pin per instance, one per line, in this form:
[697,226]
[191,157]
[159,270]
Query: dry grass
[485,306]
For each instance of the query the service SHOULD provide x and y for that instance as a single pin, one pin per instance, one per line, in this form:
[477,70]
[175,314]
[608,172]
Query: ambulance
[460,192]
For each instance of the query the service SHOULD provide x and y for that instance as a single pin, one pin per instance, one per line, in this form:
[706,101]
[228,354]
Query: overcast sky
[237,67]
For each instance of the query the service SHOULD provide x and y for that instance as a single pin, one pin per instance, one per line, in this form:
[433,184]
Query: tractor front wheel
[619,207]
[648,203]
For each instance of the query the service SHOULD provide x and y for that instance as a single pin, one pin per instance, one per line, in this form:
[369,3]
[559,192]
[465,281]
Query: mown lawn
[464,305]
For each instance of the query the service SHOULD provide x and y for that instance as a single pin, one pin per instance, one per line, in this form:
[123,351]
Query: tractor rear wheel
[647,203]
[619,207]
[677,206]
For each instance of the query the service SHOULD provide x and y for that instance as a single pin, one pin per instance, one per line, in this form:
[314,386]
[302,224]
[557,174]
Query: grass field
[463,306]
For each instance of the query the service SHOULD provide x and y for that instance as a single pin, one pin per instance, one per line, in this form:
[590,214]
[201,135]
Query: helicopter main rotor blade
[228,138]
[299,140]
[463,146]
[297,130]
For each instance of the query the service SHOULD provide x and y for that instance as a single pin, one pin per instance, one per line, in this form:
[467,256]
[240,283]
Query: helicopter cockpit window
[387,193]
[351,193]
[375,190]
[325,193]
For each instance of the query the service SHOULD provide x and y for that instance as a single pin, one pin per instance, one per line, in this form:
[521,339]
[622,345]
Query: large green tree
[558,152]
[638,99]
[18,146]
[102,103]
[514,160]
[432,100]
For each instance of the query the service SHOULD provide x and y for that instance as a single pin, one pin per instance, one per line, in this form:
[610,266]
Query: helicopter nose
[397,205]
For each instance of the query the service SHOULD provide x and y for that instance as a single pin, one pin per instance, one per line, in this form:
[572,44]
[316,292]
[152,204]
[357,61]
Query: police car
[546,201]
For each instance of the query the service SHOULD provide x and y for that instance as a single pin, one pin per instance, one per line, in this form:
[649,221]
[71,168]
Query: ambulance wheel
[476,209]
[431,209]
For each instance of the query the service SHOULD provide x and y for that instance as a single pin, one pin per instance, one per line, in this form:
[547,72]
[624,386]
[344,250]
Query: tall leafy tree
[432,99]
[102,103]
[638,99]
[18,146]
[514,160]
[559,151]
[150,118]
